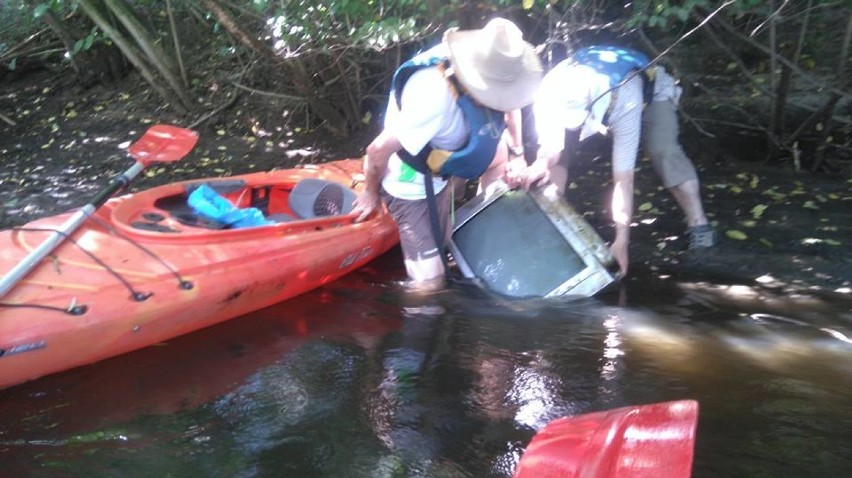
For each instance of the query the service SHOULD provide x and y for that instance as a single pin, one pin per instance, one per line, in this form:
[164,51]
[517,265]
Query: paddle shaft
[69,226]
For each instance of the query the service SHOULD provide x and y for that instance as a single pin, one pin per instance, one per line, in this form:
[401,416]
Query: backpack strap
[486,128]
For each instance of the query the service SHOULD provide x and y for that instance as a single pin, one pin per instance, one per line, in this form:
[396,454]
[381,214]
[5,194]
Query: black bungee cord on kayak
[75,309]
[183,283]
[72,309]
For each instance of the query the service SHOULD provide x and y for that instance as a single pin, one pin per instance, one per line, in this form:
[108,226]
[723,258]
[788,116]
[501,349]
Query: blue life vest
[486,127]
[617,63]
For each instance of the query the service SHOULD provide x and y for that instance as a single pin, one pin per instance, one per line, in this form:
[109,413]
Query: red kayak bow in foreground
[643,441]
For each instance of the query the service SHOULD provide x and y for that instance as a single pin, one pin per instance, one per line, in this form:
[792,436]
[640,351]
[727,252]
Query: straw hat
[495,65]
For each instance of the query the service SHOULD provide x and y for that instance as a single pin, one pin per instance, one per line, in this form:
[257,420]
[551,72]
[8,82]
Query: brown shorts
[660,140]
[415,230]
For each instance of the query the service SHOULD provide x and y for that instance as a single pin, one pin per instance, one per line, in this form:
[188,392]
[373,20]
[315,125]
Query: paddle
[648,441]
[160,144]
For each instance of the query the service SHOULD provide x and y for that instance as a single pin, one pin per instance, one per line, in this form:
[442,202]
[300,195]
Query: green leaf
[735,234]
[40,10]
[758,211]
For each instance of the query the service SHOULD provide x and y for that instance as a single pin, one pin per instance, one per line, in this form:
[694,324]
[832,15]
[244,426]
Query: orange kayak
[656,440]
[146,267]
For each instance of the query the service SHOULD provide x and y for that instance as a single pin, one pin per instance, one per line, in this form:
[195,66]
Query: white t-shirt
[576,96]
[429,115]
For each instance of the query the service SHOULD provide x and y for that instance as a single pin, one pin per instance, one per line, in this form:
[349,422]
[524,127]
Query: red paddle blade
[644,441]
[163,143]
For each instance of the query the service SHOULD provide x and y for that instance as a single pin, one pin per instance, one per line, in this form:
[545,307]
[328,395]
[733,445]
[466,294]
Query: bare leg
[688,198]
[425,274]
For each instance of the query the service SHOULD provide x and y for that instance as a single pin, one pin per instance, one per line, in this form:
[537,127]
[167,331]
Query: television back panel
[526,244]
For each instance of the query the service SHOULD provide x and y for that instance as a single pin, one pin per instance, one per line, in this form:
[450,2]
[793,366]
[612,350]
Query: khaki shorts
[415,227]
[660,140]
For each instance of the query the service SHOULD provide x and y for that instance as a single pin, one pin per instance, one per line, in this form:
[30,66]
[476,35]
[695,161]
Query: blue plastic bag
[208,203]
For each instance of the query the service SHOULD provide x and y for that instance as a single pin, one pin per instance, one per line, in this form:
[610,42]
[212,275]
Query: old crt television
[529,244]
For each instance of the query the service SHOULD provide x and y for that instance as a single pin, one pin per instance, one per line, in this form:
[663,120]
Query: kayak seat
[313,197]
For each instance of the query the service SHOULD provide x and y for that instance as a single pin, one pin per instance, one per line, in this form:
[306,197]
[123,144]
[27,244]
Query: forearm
[376,160]
[513,126]
[622,203]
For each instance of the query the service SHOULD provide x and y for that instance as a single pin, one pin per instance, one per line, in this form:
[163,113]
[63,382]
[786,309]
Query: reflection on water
[359,379]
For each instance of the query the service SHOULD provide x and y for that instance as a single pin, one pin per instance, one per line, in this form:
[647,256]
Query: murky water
[359,379]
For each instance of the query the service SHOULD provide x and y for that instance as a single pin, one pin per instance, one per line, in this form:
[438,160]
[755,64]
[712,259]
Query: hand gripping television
[529,244]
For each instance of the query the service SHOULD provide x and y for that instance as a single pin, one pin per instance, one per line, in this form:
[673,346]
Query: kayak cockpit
[289,202]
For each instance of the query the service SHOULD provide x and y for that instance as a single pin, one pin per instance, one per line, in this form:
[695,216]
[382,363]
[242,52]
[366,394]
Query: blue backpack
[618,63]
[486,127]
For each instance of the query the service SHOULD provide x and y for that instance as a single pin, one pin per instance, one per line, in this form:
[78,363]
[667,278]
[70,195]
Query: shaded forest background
[777,70]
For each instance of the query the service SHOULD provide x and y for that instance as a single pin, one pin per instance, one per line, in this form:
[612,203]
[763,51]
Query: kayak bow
[642,441]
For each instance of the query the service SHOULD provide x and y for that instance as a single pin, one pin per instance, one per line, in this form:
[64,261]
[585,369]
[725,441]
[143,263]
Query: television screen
[524,245]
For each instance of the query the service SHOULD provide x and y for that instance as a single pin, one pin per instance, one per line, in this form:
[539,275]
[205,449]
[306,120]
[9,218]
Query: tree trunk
[176,40]
[130,52]
[773,141]
[95,65]
[843,75]
[299,76]
[155,55]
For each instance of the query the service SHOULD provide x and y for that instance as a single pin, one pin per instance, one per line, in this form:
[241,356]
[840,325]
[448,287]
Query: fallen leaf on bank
[765,242]
[758,211]
[778,197]
[735,234]
[646,206]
